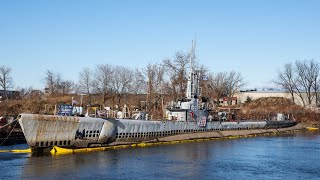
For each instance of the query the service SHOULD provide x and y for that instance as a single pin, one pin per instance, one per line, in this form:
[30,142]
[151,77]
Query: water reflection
[287,157]
[68,164]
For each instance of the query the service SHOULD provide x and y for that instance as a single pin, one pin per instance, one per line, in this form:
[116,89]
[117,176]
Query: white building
[242,96]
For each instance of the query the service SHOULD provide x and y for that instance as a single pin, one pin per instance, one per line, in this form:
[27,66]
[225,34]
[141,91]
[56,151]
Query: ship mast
[193,79]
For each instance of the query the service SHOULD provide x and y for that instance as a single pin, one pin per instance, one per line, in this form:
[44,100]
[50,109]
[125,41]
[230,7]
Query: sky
[253,37]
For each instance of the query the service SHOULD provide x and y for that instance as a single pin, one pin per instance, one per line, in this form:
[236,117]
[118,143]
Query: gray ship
[189,115]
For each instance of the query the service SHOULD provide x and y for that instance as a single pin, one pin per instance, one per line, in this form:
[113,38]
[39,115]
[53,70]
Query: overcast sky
[254,37]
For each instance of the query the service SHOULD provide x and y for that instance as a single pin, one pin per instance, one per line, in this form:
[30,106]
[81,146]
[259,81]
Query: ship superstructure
[189,108]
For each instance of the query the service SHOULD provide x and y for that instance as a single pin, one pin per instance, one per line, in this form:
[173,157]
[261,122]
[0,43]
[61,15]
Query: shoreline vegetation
[260,109]
[151,87]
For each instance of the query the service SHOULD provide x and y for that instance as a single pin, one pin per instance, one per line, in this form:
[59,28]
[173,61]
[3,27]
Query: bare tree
[50,81]
[225,84]
[217,83]
[121,81]
[85,82]
[286,79]
[102,80]
[302,80]
[6,81]
[138,83]
[176,70]
[66,87]
[57,83]
[154,74]
[234,83]
[307,75]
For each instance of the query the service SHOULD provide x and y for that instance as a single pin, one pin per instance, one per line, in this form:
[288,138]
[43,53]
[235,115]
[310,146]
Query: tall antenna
[192,55]
[193,79]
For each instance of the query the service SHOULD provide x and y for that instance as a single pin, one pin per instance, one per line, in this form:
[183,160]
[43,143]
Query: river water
[294,156]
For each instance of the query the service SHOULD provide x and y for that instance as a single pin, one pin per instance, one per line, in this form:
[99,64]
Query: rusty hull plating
[66,131]
[46,131]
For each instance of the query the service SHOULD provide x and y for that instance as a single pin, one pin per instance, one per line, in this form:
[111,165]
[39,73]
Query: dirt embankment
[42,105]
[265,108]
[45,104]
[262,108]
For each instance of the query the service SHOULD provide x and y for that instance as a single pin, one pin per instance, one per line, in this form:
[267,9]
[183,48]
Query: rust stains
[49,117]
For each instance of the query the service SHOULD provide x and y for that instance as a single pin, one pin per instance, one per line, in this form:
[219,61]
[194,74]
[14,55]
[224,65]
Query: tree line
[300,79]
[166,77]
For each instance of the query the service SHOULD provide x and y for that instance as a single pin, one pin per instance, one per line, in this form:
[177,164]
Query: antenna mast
[193,79]
[192,56]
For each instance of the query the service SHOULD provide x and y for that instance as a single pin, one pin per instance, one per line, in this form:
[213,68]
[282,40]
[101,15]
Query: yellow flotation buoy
[312,128]
[58,150]
[21,151]
[16,151]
